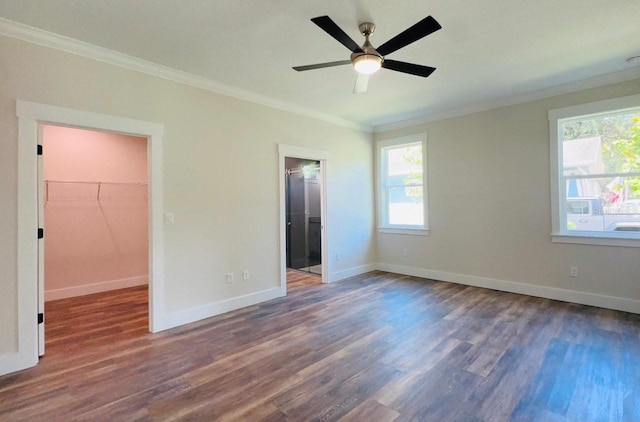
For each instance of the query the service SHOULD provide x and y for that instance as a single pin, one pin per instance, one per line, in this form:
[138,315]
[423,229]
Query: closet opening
[94,261]
[303,204]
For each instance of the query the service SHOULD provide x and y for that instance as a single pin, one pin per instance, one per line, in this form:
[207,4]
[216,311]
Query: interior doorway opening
[304,248]
[304,217]
[94,258]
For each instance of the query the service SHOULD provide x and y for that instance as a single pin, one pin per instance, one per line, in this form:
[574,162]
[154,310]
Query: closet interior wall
[96,212]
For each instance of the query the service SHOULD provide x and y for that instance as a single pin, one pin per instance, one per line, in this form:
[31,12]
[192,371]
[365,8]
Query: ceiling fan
[367,60]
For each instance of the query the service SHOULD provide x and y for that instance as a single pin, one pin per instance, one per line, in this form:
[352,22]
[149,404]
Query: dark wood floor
[378,347]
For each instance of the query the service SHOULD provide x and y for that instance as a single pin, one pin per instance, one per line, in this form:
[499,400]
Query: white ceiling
[487,50]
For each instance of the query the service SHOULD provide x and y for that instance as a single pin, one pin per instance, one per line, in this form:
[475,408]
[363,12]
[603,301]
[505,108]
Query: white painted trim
[605,106]
[351,272]
[597,238]
[103,286]
[424,116]
[307,154]
[59,42]
[410,232]
[175,319]
[295,151]
[30,116]
[573,296]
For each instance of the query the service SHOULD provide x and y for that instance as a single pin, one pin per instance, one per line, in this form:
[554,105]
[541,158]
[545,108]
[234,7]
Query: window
[595,172]
[402,189]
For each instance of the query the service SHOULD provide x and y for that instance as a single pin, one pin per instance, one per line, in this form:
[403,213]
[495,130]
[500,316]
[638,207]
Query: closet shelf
[58,190]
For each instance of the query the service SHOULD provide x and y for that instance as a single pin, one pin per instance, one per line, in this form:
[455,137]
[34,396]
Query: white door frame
[30,117]
[307,154]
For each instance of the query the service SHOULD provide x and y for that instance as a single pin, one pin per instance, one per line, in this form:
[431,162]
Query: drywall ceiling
[487,50]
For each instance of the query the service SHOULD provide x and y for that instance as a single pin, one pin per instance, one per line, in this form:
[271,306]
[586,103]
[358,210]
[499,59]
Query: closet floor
[95,320]
[297,279]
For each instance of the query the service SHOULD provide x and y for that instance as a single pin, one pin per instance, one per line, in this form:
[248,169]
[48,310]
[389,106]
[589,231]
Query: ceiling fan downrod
[369,60]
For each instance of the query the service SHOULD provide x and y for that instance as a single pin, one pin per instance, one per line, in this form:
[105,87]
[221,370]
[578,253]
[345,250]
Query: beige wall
[216,150]
[489,204]
[96,235]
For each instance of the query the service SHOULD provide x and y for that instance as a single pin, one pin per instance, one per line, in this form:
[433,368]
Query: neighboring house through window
[595,172]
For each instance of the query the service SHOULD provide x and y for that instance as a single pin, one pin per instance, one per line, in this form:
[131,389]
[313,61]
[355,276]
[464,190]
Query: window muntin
[598,177]
[402,190]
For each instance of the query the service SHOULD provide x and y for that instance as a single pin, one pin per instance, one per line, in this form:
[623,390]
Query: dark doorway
[304,225]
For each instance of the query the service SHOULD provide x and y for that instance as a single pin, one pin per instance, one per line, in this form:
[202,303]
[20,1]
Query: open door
[41,202]
[296,219]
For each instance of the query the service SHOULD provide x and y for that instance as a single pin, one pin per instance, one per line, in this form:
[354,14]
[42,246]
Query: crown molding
[597,81]
[80,48]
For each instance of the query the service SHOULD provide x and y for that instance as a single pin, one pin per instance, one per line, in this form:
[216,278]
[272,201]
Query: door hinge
[40,233]
[39,149]
[40,318]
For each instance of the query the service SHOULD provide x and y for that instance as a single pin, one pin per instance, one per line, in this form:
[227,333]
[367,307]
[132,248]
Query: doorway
[30,294]
[303,216]
[94,211]
[304,220]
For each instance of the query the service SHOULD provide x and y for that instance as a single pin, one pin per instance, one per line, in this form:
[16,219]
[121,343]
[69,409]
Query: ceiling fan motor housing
[368,60]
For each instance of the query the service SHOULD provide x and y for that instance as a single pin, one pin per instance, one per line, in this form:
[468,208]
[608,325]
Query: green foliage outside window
[620,147]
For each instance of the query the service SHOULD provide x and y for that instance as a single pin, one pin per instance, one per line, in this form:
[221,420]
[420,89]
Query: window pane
[406,206]
[600,145]
[603,204]
[404,165]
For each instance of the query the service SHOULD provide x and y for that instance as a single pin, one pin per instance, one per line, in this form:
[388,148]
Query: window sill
[590,238]
[413,232]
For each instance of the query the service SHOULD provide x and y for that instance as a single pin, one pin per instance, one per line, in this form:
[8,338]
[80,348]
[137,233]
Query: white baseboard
[187,316]
[350,272]
[87,289]
[573,296]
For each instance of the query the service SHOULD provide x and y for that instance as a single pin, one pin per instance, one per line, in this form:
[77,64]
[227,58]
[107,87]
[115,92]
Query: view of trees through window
[404,183]
[601,172]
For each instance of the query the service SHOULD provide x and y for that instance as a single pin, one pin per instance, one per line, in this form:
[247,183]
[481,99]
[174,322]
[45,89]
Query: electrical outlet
[229,278]
[169,218]
[573,271]
[245,275]
[405,253]
[338,257]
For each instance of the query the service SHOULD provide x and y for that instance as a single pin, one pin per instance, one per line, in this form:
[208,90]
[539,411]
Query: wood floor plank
[376,347]
[370,410]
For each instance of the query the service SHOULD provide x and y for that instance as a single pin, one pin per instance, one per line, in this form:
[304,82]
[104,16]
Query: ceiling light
[367,63]
[634,60]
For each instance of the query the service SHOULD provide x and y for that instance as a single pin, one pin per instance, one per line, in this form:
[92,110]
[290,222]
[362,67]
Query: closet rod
[93,183]
[300,170]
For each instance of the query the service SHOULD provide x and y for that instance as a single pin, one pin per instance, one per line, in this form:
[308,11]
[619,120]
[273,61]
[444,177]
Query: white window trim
[381,190]
[559,233]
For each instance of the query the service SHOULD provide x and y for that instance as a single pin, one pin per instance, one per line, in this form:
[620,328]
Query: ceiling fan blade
[362,81]
[410,68]
[334,30]
[321,65]
[421,29]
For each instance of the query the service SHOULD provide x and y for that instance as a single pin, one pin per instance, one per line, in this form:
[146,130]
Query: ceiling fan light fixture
[367,64]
